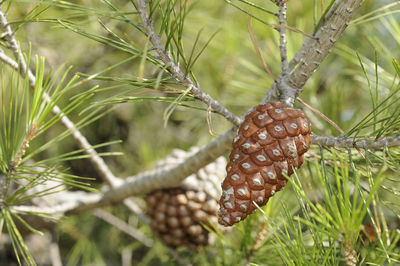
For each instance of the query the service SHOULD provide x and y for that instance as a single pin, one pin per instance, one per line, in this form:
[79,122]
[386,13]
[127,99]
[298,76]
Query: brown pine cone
[178,214]
[271,140]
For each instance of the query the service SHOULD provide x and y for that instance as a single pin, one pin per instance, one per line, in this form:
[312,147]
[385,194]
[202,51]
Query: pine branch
[76,202]
[98,162]
[340,142]
[282,80]
[83,143]
[65,201]
[163,178]
[314,51]
[95,159]
[153,180]
[282,37]
[149,181]
[176,71]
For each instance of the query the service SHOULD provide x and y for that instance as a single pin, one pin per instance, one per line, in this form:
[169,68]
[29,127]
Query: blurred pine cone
[178,214]
[271,140]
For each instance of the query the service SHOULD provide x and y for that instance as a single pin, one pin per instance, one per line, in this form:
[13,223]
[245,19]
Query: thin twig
[178,258]
[124,227]
[321,115]
[253,40]
[209,123]
[282,37]
[65,202]
[315,122]
[378,224]
[277,26]
[98,162]
[286,95]
[134,208]
[176,71]
[332,124]
[54,252]
[126,256]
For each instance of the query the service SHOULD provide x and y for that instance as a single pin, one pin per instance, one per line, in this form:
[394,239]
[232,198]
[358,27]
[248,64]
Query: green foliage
[328,204]
[20,248]
[24,116]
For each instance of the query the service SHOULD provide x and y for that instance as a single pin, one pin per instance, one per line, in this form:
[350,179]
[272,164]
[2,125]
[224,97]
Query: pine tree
[79,145]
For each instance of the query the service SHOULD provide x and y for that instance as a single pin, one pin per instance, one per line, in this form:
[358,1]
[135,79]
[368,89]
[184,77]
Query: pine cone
[178,214]
[271,141]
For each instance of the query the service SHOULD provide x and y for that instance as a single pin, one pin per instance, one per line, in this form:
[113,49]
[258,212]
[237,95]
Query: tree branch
[314,51]
[66,201]
[282,80]
[282,37]
[166,58]
[165,177]
[340,142]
